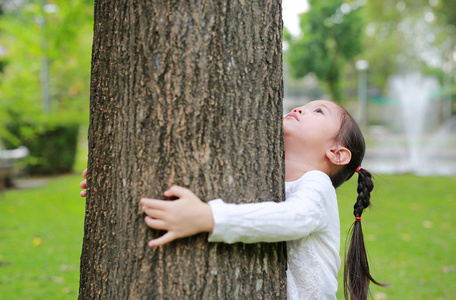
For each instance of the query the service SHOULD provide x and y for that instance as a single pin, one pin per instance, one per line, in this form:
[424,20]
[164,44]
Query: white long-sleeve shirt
[308,220]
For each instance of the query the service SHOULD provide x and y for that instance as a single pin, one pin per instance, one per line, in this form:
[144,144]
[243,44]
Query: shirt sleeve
[302,213]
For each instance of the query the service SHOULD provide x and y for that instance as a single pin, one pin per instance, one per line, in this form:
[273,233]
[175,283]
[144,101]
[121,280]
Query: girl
[324,147]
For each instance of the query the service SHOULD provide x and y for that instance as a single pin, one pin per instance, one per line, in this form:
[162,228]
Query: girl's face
[313,126]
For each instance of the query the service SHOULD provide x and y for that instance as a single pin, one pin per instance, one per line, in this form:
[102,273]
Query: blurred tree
[47,50]
[61,32]
[445,9]
[398,36]
[331,37]
[404,36]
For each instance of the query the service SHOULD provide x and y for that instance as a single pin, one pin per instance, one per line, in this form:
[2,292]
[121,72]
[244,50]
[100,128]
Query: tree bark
[187,93]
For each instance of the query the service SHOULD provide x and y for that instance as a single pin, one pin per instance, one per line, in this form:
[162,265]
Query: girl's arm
[293,219]
[310,206]
[301,214]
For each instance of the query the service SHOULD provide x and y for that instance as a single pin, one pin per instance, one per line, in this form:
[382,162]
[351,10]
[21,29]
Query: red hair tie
[358,219]
[357,169]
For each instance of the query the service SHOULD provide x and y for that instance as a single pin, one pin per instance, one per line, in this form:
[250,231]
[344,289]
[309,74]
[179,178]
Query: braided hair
[356,268]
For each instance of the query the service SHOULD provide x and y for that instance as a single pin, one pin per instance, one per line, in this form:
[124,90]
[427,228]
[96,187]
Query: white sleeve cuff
[220,215]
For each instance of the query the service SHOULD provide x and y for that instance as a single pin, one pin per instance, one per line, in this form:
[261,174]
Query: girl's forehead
[333,107]
[322,102]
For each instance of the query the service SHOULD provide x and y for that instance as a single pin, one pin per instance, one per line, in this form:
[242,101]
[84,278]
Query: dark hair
[356,268]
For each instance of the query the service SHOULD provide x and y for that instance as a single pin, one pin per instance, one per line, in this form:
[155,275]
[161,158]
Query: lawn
[41,232]
[410,236]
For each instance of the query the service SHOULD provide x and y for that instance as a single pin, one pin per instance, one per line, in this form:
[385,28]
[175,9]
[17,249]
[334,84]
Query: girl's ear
[339,156]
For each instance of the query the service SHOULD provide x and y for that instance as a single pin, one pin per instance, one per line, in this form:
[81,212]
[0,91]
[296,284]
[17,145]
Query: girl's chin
[287,132]
[290,129]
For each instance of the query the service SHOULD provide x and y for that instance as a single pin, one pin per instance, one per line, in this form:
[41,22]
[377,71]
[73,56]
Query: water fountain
[430,143]
[439,151]
[414,93]
[420,139]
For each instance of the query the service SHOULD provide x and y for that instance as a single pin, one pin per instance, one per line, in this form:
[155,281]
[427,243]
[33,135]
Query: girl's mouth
[292,115]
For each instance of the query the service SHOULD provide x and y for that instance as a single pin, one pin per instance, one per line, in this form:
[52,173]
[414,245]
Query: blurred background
[391,63]
[45,54]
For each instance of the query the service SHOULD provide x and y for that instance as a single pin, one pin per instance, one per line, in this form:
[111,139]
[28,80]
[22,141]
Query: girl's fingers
[164,239]
[83,184]
[154,203]
[177,191]
[155,224]
[154,213]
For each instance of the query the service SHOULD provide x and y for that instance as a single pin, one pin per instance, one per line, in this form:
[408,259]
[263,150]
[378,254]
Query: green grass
[41,232]
[410,235]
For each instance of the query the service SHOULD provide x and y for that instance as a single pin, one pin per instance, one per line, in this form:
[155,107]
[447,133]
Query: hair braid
[365,187]
[356,270]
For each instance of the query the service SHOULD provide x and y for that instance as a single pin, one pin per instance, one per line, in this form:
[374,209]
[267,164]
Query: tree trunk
[187,93]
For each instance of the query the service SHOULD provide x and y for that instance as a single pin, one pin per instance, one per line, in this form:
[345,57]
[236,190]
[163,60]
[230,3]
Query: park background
[388,53]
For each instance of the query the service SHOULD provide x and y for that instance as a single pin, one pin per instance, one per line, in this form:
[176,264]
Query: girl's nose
[298,110]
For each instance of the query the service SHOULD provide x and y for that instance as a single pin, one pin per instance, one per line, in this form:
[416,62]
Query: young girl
[324,147]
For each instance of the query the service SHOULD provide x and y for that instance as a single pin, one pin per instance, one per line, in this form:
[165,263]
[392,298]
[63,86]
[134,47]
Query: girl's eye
[319,111]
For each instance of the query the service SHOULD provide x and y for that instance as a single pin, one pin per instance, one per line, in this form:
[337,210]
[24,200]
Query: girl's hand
[183,217]
[83,184]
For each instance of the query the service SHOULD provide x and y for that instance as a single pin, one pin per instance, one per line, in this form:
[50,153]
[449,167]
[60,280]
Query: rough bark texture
[188,93]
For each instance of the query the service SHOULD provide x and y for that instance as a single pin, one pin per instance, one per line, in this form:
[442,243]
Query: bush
[52,147]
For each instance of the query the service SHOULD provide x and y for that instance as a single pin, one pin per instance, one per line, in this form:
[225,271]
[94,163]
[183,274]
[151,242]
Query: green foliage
[52,146]
[445,12]
[287,37]
[331,38]
[396,37]
[64,37]
[31,35]
[406,36]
